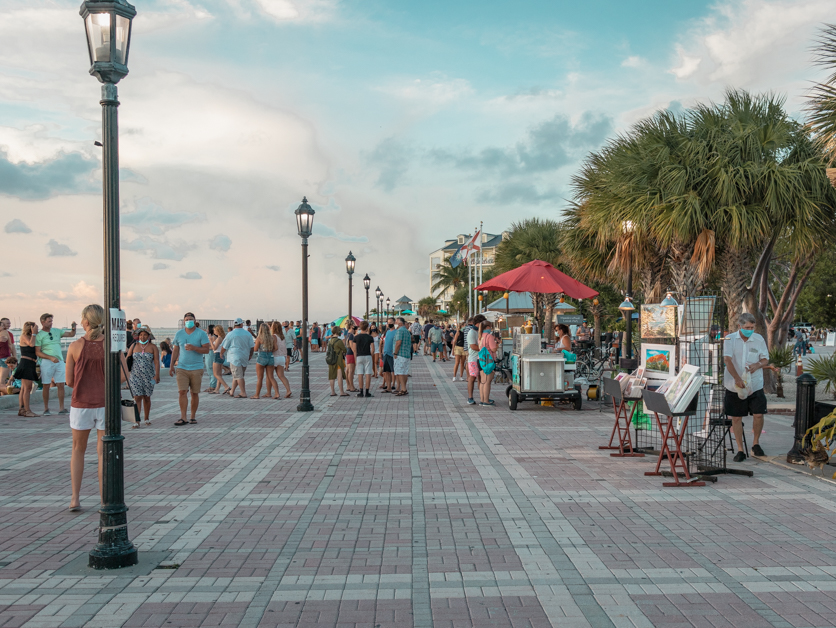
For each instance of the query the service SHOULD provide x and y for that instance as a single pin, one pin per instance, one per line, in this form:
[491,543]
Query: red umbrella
[538,277]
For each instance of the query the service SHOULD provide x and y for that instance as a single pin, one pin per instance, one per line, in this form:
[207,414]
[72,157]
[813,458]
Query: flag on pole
[472,246]
[457,257]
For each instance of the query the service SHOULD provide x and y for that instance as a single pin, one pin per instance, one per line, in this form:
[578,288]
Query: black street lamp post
[378,293]
[627,307]
[304,223]
[367,282]
[350,260]
[108,29]
[388,302]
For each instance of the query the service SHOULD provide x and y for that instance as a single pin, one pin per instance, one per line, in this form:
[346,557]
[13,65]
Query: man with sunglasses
[53,369]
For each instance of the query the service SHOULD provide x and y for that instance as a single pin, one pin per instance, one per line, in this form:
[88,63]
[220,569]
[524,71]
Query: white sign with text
[118,331]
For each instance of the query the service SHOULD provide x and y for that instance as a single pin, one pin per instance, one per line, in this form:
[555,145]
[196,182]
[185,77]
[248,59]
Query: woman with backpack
[487,362]
[335,359]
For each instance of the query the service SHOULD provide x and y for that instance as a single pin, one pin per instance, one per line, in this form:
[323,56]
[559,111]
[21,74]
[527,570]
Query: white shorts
[87,418]
[401,365]
[53,371]
[364,365]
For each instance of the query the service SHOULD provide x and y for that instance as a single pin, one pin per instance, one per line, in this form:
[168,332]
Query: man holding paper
[745,355]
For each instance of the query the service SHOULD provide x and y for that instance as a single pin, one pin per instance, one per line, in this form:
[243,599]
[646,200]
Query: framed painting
[658,361]
[658,321]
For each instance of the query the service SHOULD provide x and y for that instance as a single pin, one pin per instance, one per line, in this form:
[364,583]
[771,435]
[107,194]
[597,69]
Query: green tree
[445,276]
[821,107]
[427,307]
[817,303]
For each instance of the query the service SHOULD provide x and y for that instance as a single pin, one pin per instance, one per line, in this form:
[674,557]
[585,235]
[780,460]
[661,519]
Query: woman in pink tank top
[85,375]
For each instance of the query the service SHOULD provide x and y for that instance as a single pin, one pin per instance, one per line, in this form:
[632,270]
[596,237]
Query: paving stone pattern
[416,511]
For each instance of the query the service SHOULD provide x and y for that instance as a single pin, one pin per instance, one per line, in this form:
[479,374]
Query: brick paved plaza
[416,511]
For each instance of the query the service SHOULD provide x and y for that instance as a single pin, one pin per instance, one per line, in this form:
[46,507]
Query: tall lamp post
[627,307]
[367,282]
[349,268]
[378,293]
[108,29]
[304,224]
[388,302]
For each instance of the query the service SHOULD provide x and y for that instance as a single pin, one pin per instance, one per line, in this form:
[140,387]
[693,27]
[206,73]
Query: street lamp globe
[388,302]
[108,28]
[367,281]
[627,305]
[349,263]
[378,293]
[304,218]
[669,301]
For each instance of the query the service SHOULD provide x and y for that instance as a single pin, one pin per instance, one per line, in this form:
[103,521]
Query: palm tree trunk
[548,328]
[684,274]
[737,273]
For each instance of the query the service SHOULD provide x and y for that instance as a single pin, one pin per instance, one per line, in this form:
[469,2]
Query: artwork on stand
[658,321]
[699,312]
[683,388]
[715,363]
[658,361]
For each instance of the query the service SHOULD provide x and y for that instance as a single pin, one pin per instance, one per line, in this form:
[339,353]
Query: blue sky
[404,123]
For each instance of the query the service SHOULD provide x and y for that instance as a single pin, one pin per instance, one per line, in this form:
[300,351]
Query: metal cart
[537,376]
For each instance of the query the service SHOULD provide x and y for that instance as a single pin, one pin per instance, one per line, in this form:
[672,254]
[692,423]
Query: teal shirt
[50,346]
[402,334]
[190,360]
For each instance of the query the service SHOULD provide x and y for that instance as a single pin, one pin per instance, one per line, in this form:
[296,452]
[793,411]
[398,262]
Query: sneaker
[46,413]
[361,394]
[470,401]
[740,457]
[454,379]
[433,359]
[64,411]
[757,451]
[369,394]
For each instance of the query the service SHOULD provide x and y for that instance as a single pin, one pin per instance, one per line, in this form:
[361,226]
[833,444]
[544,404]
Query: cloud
[5,274]
[150,218]
[220,243]
[633,62]
[158,249]
[509,193]
[328,232]
[17,226]
[191,275]
[274,268]
[59,250]
[67,173]
[748,43]
[436,90]
[548,146]
[82,292]
[159,266]
[393,157]
[297,10]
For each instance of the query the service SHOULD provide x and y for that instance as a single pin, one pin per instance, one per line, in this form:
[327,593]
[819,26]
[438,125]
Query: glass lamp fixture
[304,218]
[378,292]
[627,305]
[367,281]
[350,260]
[669,301]
[108,29]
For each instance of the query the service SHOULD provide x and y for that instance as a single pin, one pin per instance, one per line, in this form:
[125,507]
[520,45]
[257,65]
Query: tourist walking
[472,345]
[218,361]
[459,352]
[415,332]
[145,372]
[375,350]
[85,375]
[314,337]
[189,346]
[350,362]
[335,359]
[7,348]
[48,349]
[487,362]
[265,345]
[403,356]
[745,355]
[363,355]
[389,357]
[209,360]
[239,345]
[436,339]
[289,341]
[165,353]
[279,356]
[26,371]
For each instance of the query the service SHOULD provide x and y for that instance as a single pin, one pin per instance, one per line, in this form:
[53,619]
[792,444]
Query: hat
[145,329]
[238,321]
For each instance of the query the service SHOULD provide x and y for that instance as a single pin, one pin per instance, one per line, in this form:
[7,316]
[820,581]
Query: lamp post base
[305,406]
[113,559]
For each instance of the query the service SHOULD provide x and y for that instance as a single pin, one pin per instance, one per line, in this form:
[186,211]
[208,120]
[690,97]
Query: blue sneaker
[471,402]
[490,402]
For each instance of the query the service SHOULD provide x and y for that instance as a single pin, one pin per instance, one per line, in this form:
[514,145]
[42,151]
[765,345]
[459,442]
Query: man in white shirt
[745,355]
[239,344]
[471,343]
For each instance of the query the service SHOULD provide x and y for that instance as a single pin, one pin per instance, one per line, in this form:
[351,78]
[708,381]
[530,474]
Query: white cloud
[633,62]
[17,226]
[435,90]
[329,232]
[293,10]
[59,250]
[191,275]
[149,217]
[158,249]
[273,268]
[159,266]
[751,43]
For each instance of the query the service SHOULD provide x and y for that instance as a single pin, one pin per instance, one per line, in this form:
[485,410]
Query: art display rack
[623,419]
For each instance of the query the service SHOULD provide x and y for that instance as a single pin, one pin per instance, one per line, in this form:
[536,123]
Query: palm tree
[531,239]
[822,104]
[426,307]
[445,276]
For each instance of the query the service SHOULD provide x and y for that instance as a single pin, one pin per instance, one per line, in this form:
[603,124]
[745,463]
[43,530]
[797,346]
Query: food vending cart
[537,376]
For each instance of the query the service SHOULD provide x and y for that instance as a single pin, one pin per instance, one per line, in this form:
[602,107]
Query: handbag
[130,411]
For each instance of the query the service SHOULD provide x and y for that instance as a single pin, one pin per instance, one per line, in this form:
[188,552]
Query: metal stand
[625,443]
[657,403]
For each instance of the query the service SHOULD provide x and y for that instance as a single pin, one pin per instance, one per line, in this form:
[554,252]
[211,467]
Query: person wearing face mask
[189,346]
[745,355]
[145,372]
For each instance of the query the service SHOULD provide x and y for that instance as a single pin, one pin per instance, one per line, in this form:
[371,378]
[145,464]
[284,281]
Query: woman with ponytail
[85,375]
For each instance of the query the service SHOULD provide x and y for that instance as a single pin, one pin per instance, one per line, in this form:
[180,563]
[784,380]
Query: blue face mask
[189,324]
[746,333]
[143,342]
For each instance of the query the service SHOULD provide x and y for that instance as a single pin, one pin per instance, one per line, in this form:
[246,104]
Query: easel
[656,403]
[625,443]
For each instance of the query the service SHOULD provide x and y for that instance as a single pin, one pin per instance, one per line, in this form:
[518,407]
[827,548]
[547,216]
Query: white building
[489,243]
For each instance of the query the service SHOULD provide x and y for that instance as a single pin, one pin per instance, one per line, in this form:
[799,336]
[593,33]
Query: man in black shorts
[389,357]
[745,355]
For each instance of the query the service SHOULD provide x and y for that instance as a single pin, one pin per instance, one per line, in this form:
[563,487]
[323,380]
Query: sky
[403,123]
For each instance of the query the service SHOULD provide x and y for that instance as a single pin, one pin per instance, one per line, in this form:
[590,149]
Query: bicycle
[294,356]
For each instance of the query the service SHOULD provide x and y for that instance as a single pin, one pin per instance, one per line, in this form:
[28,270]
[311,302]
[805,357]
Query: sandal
[333,394]
[343,394]
[193,422]
[135,426]
[181,422]
[227,393]
[288,395]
